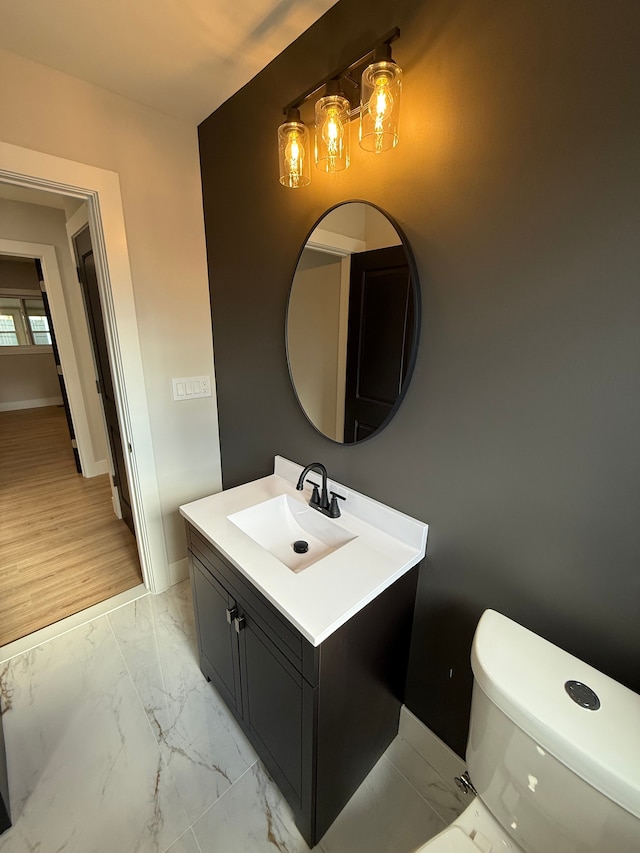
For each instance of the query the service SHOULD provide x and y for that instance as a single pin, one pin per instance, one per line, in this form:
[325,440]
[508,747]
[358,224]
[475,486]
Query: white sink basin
[277,523]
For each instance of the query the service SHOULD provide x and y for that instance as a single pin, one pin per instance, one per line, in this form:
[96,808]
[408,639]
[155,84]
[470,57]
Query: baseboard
[178,571]
[429,746]
[30,404]
[96,469]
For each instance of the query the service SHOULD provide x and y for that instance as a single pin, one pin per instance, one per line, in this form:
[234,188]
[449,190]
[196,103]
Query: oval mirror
[353,322]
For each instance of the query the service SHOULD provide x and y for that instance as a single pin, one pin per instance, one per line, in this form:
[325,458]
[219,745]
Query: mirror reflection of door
[381,311]
[91,295]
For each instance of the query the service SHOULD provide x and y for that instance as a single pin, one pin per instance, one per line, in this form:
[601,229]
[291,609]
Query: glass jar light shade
[332,133]
[381,88]
[293,152]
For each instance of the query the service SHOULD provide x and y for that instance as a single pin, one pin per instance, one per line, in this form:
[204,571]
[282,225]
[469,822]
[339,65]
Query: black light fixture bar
[345,74]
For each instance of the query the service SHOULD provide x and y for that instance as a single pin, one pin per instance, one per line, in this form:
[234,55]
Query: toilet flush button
[582,695]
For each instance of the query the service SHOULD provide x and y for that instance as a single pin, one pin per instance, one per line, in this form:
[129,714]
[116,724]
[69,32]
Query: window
[38,322]
[23,322]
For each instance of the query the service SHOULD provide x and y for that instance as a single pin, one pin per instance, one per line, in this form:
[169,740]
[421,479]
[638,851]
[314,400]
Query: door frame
[101,191]
[74,224]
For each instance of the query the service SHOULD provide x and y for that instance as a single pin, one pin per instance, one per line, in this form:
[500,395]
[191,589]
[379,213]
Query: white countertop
[322,597]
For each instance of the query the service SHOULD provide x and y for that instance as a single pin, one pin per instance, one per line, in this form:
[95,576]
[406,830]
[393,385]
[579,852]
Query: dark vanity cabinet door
[319,717]
[254,659]
[215,610]
[277,706]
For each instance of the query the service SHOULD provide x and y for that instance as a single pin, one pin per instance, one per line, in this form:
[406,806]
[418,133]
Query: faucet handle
[314,500]
[334,509]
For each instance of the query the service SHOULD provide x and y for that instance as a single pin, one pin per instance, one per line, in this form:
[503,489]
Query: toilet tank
[559,774]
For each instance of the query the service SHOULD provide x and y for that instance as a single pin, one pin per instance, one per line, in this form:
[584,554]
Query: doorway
[62,549]
[100,190]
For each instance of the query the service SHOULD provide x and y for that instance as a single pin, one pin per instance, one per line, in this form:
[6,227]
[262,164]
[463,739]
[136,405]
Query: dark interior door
[91,294]
[380,335]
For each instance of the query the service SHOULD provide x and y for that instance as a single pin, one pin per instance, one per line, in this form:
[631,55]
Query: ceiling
[182,57]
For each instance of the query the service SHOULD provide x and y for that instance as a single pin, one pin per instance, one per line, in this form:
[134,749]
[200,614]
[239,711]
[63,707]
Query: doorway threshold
[50,632]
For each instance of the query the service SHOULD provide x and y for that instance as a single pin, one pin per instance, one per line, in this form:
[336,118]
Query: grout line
[217,800]
[195,838]
[148,721]
[133,684]
[188,830]
[411,785]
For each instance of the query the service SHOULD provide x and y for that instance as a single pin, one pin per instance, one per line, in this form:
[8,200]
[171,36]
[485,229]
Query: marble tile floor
[116,742]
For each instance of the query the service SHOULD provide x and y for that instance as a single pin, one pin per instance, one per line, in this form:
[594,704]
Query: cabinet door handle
[232,612]
[238,623]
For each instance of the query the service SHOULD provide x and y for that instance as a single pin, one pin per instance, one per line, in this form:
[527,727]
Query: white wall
[379,232]
[18,274]
[28,380]
[33,223]
[156,158]
[313,328]
[359,222]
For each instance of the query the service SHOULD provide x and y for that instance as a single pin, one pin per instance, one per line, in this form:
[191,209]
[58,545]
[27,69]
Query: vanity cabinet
[319,717]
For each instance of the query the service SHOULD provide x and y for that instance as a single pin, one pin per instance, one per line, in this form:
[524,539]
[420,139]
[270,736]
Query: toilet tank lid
[525,677]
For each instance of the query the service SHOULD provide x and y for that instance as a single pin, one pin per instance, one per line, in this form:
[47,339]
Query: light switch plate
[188,388]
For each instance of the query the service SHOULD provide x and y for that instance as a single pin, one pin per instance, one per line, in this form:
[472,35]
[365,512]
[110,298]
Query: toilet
[553,752]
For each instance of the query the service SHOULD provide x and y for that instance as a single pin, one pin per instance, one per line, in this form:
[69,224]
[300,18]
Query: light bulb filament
[293,156]
[380,106]
[332,134]
[293,150]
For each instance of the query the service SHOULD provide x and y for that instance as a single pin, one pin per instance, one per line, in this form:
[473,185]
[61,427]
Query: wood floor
[61,547]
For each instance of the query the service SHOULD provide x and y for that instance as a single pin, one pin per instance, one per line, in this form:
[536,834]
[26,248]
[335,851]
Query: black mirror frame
[416,329]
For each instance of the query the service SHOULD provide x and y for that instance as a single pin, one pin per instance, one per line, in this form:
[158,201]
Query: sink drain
[300,546]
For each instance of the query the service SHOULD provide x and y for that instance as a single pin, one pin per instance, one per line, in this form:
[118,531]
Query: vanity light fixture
[333,114]
[293,151]
[380,92]
[368,88]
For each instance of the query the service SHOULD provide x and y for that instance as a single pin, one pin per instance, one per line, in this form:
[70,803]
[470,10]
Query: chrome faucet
[320,500]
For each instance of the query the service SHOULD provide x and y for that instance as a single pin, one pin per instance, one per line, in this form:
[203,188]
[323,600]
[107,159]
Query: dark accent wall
[517,183]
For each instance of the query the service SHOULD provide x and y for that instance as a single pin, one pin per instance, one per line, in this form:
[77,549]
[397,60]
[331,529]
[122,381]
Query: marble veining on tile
[204,747]
[252,817]
[446,801]
[85,773]
[116,742]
